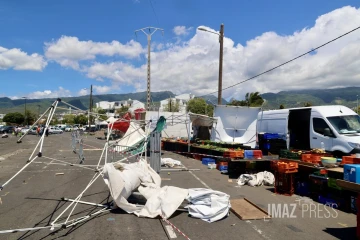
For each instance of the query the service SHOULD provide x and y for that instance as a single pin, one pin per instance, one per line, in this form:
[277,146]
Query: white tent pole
[78,197]
[76,201]
[19,140]
[27,229]
[47,126]
[40,140]
[22,169]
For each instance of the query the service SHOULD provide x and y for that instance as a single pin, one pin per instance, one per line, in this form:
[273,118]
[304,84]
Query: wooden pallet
[246,210]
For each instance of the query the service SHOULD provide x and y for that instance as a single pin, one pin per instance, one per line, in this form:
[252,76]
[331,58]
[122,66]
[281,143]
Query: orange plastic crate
[234,154]
[284,167]
[350,160]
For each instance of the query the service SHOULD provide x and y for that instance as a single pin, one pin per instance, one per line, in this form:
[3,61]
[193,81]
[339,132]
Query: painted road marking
[170,231]
[85,149]
[201,181]
[5,194]
[249,222]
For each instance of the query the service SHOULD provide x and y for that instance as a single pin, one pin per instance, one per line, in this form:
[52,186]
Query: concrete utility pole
[90,108]
[151,30]
[25,121]
[221,41]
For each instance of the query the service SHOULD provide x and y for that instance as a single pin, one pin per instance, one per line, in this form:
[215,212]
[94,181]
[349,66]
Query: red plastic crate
[257,153]
[221,164]
[234,154]
[284,184]
[197,157]
[350,160]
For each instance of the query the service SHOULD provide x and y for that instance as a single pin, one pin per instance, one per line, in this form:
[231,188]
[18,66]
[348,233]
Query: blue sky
[34,26]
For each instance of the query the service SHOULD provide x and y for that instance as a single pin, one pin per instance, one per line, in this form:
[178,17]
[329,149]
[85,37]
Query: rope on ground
[172,225]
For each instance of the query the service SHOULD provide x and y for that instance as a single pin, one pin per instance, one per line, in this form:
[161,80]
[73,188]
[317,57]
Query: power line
[152,6]
[271,69]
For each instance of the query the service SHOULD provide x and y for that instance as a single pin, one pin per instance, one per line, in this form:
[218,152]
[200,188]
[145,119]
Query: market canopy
[199,120]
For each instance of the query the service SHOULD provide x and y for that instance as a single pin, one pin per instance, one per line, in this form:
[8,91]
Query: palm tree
[254,99]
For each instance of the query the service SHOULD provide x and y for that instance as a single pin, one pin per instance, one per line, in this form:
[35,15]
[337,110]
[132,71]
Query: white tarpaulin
[111,119]
[123,179]
[177,124]
[235,124]
[198,120]
[133,135]
[259,179]
[207,204]
[170,162]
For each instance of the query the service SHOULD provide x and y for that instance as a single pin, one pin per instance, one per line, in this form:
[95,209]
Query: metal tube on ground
[22,169]
[87,203]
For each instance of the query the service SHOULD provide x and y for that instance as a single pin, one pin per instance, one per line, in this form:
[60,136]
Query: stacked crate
[284,176]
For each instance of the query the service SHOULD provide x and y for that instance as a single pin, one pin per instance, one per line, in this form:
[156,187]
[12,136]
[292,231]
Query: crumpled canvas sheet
[170,162]
[160,201]
[259,179]
[206,204]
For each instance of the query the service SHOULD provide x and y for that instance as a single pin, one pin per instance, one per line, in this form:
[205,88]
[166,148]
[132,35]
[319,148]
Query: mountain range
[82,102]
[316,97]
[342,96]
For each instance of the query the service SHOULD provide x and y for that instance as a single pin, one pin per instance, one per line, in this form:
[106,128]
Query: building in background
[111,107]
[180,99]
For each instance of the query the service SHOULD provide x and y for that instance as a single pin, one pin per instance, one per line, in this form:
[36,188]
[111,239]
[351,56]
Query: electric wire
[291,60]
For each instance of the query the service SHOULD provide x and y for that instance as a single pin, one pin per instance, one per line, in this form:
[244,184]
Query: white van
[337,127]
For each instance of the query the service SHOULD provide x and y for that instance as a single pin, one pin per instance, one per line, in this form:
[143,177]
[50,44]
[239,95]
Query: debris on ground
[259,179]
[56,174]
[169,162]
[206,204]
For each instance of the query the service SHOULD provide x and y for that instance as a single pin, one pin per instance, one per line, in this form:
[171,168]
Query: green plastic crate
[332,184]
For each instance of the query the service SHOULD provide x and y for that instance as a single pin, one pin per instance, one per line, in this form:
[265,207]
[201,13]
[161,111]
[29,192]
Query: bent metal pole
[47,110]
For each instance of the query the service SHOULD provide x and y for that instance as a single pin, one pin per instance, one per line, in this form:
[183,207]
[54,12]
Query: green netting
[160,124]
[139,146]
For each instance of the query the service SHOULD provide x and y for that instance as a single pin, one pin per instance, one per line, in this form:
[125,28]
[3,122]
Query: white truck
[336,128]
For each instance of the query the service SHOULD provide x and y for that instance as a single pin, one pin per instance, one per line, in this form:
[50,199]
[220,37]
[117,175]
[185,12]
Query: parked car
[55,130]
[33,131]
[68,128]
[24,130]
[7,129]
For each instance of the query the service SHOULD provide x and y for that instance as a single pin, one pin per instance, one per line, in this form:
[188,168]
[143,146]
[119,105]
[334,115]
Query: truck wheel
[339,154]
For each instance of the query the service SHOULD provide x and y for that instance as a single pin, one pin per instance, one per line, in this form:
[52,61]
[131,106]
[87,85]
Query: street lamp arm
[205,30]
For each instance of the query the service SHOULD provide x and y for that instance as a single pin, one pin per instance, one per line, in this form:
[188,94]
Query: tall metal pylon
[151,30]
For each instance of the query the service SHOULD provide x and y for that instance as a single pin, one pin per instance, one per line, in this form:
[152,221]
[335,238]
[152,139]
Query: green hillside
[40,105]
[343,96]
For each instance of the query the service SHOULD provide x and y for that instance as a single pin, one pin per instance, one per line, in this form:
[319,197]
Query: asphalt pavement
[34,199]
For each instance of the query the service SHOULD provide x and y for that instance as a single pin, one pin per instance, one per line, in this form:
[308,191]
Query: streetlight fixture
[221,41]
[25,110]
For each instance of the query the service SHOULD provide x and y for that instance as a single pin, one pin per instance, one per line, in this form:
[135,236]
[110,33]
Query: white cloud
[102,89]
[68,51]
[83,92]
[119,72]
[181,30]
[19,60]
[60,92]
[192,66]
